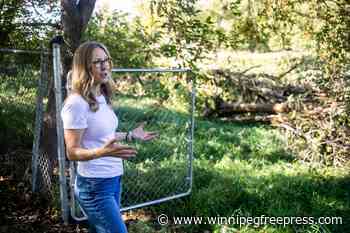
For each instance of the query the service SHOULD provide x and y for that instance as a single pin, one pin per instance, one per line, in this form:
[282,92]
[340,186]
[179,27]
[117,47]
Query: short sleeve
[74,113]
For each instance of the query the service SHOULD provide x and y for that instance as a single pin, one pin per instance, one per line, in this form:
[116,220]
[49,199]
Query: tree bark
[75,17]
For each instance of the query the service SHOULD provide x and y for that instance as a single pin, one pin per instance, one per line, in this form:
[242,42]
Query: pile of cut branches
[242,97]
[314,120]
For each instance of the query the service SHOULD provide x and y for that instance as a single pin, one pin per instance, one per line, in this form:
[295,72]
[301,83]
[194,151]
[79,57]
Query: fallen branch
[226,108]
[269,119]
[291,69]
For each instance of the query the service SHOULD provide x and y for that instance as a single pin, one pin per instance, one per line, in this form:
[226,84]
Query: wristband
[94,155]
[130,137]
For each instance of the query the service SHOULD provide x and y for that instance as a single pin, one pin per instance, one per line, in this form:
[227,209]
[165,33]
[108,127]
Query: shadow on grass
[240,187]
[233,192]
[248,142]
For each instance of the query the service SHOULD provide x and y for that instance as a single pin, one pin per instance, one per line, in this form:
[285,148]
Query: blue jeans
[100,199]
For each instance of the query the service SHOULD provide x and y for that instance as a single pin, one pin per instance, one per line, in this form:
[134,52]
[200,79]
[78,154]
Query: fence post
[59,128]
[38,120]
[191,133]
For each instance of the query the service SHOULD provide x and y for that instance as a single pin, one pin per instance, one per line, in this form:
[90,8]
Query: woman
[90,125]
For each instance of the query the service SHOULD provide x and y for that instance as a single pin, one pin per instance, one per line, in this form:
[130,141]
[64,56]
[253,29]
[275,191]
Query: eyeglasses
[98,63]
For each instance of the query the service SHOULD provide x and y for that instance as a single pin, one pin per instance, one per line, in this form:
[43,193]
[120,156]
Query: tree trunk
[75,17]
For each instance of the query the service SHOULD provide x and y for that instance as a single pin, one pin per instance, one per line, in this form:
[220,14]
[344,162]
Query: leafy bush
[17,100]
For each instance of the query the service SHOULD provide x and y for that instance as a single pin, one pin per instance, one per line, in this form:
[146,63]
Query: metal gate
[162,170]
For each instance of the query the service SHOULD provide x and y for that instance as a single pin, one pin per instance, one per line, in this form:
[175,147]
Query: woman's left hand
[140,134]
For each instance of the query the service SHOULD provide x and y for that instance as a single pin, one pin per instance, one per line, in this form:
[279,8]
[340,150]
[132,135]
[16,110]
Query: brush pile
[314,120]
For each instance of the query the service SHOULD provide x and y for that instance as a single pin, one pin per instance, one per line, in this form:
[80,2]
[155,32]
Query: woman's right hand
[112,148]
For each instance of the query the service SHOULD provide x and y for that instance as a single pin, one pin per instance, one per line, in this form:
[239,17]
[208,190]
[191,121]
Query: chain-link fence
[24,81]
[164,101]
[162,169]
[161,98]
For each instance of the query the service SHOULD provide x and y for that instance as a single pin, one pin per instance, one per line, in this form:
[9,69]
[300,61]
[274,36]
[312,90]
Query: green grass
[239,169]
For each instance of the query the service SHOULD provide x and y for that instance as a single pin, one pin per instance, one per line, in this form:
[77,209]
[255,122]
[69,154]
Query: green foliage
[17,100]
[129,44]
[26,25]
[256,25]
[332,37]
[186,36]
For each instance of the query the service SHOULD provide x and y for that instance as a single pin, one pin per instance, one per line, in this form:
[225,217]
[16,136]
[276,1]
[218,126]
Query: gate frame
[61,150]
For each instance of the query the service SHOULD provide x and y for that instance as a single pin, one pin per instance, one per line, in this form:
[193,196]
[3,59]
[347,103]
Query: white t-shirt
[100,126]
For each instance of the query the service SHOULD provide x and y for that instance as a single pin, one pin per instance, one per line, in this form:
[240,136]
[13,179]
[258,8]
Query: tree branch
[37,24]
[291,69]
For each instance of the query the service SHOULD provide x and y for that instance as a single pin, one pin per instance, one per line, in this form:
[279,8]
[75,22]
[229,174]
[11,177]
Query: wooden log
[269,119]
[227,108]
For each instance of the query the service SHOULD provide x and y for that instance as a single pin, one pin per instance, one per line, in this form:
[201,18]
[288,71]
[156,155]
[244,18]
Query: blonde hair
[82,80]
